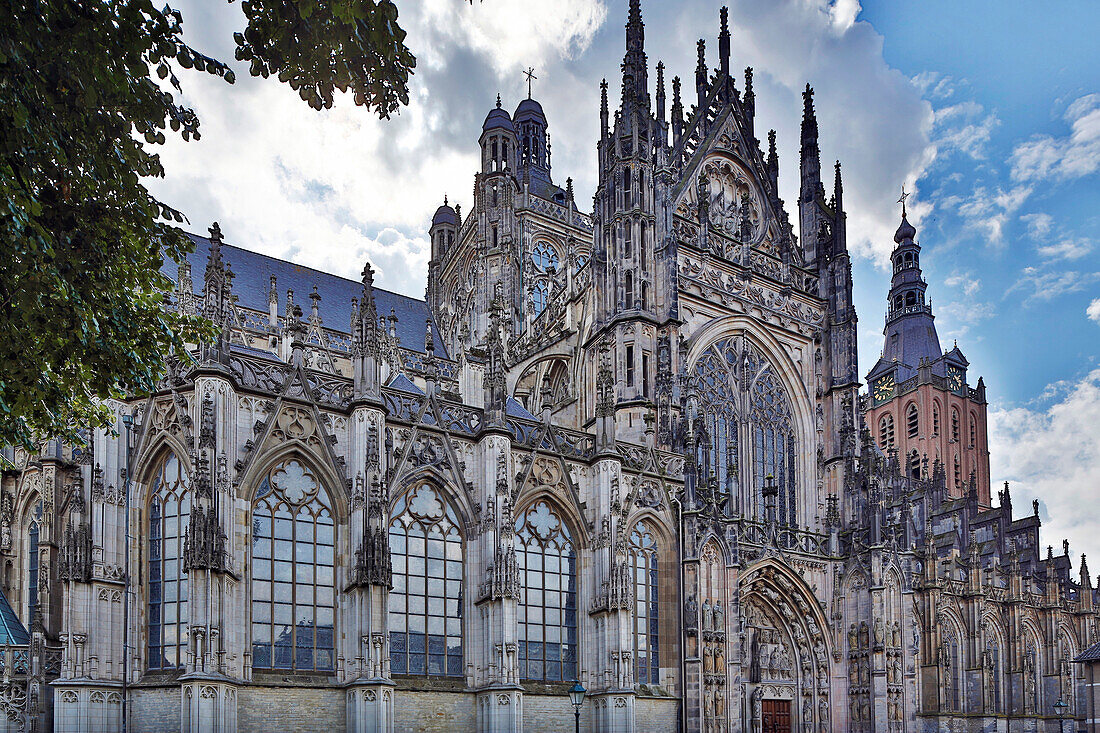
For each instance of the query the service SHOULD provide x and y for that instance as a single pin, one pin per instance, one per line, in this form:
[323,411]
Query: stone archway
[785,651]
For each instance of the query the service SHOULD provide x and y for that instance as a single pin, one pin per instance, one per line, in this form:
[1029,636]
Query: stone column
[494,583]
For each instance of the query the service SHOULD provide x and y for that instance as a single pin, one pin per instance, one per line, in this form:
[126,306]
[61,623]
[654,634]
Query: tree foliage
[87,90]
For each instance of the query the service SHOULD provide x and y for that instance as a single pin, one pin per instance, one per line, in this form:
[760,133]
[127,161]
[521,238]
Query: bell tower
[922,409]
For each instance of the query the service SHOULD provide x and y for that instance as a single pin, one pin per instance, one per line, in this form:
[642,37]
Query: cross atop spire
[901,199]
[530,74]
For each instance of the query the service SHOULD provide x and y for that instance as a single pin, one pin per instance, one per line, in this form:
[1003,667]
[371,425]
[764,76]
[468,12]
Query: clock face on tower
[954,378]
[883,388]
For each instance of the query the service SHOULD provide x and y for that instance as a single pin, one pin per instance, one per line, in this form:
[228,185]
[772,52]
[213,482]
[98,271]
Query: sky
[988,111]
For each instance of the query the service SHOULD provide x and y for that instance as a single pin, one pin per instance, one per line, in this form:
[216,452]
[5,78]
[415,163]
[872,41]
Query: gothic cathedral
[626,449]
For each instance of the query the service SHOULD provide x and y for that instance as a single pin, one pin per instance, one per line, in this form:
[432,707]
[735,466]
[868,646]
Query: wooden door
[776,716]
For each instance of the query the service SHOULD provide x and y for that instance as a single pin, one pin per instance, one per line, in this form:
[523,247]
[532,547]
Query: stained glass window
[643,562]
[732,379]
[773,442]
[426,600]
[32,561]
[714,382]
[548,604]
[293,588]
[544,256]
[539,295]
[169,509]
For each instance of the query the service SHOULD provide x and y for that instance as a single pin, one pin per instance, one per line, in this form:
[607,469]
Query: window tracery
[546,557]
[169,510]
[544,256]
[643,562]
[732,379]
[540,294]
[33,533]
[425,611]
[293,584]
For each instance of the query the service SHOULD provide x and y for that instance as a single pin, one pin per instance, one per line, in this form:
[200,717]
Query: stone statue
[880,636]
[706,615]
[853,639]
[718,623]
[691,609]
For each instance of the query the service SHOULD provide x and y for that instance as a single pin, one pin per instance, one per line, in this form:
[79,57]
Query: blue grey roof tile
[253,280]
[11,631]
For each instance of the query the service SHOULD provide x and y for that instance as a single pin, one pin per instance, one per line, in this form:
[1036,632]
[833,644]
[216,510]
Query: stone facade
[626,448]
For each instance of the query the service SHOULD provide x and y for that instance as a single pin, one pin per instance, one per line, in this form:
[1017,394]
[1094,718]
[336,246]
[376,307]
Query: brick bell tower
[920,406]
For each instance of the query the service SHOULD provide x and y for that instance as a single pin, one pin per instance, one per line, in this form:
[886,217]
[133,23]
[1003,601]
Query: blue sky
[989,111]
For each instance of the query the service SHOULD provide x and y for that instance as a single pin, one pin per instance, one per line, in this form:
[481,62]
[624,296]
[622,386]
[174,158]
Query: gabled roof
[11,631]
[253,273]
[512,408]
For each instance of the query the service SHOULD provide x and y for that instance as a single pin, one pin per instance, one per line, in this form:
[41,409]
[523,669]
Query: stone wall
[155,709]
[656,714]
[434,712]
[290,709]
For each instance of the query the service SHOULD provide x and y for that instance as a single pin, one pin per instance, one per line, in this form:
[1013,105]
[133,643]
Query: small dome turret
[498,119]
[906,231]
[445,215]
[529,109]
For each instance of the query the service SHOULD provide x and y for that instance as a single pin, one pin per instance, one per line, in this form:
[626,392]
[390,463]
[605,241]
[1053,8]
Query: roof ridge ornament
[901,199]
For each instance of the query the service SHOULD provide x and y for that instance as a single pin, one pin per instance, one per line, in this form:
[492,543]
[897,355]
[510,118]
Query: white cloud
[964,127]
[1043,284]
[967,281]
[1038,225]
[334,187]
[1068,248]
[1063,158]
[988,210]
[1093,311]
[1052,452]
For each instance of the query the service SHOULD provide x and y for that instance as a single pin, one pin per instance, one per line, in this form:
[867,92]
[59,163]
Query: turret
[498,141]
[811,198]
[442,234]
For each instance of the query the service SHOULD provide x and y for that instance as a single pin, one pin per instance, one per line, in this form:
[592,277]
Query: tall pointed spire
[635,77]
[677,111]
[603,109]
[773,162]
[724,42]
[701,72]
[660,91]
[838,189]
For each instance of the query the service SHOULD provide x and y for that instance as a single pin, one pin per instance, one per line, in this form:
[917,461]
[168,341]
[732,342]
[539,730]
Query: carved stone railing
[18,668]
[791,539]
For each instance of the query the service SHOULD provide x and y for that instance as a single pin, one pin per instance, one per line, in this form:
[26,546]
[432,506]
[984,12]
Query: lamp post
[1060,709]
[576,696]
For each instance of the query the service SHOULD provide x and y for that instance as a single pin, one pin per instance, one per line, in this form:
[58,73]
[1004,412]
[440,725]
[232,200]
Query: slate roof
[11,631]
[1092,654]
[253,279]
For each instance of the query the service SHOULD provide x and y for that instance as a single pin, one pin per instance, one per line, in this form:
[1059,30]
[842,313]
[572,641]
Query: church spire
[724,42]
[811,154]
[910,330]
[635,80]
[701,72]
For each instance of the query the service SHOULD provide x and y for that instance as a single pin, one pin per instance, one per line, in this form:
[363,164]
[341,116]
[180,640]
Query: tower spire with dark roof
[635,76]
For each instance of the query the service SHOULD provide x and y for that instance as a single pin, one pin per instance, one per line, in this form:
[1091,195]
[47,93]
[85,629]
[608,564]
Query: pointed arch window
[426,601]
[912,421]
[773,440]
[34,529]
[293,584]
[540,294]
[886,432]
[643,565]
[973,430]
[954,425]
[935,419]
[547,562]
[958,473]
[914,464]
[169,511]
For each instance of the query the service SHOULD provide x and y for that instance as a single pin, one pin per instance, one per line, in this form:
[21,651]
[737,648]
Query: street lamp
[576,696]
[1060,709]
